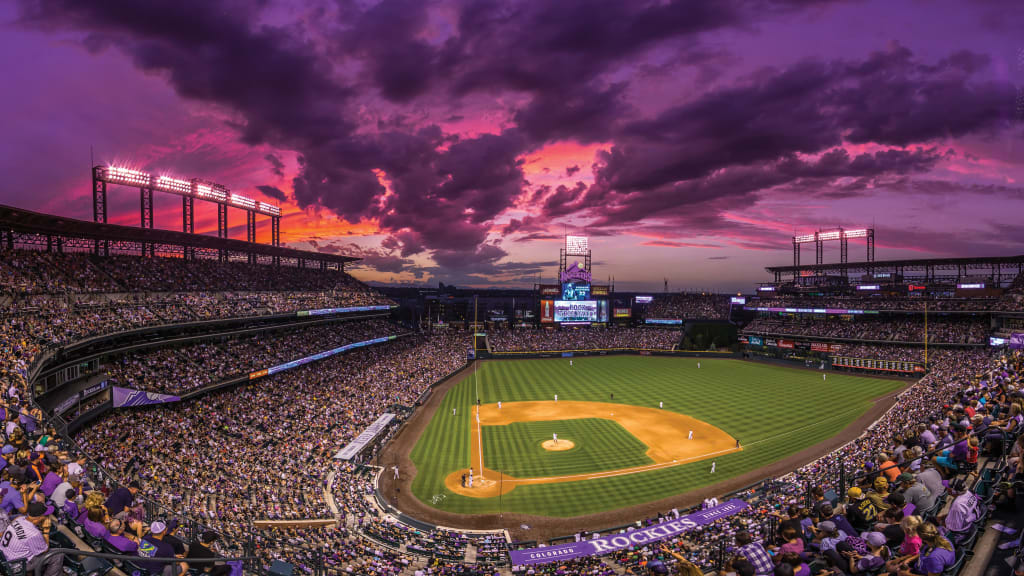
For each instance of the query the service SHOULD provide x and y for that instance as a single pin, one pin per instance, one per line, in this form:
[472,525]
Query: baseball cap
[158,527]
[36,509]
[854,492]
[876,539]
[880,484]
[827,526]
[905,477]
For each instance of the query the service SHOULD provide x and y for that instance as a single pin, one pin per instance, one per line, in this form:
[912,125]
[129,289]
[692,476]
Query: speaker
[278,568]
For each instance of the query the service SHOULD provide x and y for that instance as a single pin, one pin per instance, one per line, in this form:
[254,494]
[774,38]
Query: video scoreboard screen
[575,291]
[581,311]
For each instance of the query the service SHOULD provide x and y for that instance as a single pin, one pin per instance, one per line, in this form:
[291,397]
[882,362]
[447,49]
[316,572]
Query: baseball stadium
[522,288]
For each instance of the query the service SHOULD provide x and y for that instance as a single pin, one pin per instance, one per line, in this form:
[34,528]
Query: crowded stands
[529,339]
[690,306]
[263,451]
[900,329]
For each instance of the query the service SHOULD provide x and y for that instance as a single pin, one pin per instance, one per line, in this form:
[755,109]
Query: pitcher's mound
[558,446]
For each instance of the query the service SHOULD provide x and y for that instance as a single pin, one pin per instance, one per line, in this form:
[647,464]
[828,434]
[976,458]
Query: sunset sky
[457,141]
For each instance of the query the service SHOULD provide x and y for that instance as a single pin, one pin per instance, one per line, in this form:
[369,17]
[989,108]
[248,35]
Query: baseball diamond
[627,450]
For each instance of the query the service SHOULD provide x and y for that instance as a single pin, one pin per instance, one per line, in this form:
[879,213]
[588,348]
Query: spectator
[27,538]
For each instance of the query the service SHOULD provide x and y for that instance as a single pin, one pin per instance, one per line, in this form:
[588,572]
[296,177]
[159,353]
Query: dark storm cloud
[273,191]
[276,166]
[295,89]
[738,141]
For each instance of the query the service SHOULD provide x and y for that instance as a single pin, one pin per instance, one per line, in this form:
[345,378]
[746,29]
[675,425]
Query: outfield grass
[601,445]
[774,411]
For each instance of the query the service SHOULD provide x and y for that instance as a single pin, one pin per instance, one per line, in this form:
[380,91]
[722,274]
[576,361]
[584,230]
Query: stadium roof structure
[26,228]
[998,268]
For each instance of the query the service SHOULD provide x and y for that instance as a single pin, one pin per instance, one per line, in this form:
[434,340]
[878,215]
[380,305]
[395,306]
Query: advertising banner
[622,312]
[547,311]
[616,542]
[668,321]
[128,397]
[756,341]
[599,290]
[581,311]
[325,311]
[1017,340]
[550,290]
[66,405]
[785,343]
[819,346]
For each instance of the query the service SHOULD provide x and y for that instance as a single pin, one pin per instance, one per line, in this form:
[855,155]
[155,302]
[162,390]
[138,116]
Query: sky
[458,141]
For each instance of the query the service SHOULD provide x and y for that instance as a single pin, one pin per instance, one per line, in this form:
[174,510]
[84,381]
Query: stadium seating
[263,451]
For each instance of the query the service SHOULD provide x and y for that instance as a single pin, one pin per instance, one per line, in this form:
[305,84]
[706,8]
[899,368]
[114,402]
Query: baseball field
[623,426]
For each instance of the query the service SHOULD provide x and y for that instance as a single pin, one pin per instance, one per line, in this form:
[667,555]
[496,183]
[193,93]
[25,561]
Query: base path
[665,433]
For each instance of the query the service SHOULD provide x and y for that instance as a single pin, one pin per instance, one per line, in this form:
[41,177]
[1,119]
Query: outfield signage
[664,321]
[880,365]
[363,440]
[616,542]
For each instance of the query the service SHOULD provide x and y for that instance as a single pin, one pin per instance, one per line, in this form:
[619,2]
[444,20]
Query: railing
[42,559]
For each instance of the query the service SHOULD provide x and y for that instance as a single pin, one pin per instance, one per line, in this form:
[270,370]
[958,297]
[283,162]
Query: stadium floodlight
[269,209]
[830,235]
[208,192]
[804,239]
[860,233]
[243,201]
[128,176]
[576,245]
[174,185]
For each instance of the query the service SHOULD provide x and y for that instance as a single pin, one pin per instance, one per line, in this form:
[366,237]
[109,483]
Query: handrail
[106,555]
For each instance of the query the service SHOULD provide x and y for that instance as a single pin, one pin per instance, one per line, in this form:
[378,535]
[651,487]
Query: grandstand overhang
[999,269]
[32,229]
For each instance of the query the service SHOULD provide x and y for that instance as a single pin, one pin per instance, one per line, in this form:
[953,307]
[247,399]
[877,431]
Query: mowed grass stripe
[756,403]
[516,449]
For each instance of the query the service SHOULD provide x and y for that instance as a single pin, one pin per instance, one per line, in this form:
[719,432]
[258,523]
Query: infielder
[712,471]
[690,437]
